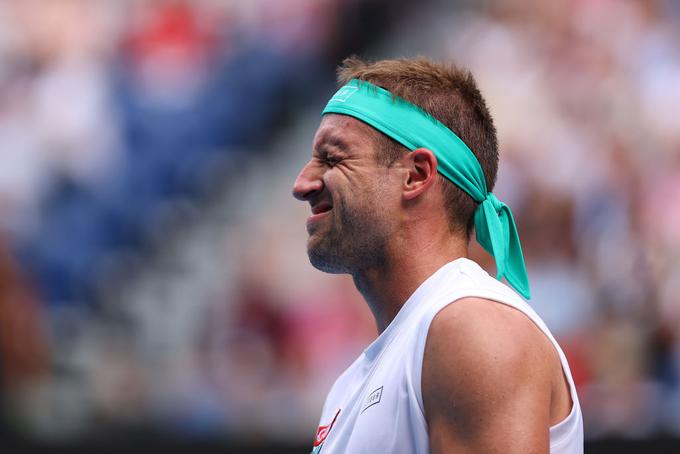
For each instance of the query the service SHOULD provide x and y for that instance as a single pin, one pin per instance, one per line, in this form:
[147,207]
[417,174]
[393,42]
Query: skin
[492,381]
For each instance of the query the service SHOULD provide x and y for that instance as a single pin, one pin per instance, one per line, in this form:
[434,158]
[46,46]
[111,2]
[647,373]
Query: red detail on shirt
[322,432]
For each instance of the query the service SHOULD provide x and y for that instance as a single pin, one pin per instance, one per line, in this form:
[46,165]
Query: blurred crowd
[586,99]
[115,115]
[111,109]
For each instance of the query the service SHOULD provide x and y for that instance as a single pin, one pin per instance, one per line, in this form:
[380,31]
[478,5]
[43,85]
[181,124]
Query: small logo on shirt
[372,399]
[322,433]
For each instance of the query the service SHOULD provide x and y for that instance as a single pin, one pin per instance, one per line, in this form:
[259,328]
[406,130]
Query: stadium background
[154,287]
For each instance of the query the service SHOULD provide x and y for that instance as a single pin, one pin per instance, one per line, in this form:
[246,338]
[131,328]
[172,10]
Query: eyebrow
[336,142]
[332,142]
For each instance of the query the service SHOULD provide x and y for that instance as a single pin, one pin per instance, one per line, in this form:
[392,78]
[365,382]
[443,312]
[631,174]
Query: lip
[321,207]
[318,213]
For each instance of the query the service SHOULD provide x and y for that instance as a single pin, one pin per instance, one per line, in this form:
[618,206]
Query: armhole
[560,432]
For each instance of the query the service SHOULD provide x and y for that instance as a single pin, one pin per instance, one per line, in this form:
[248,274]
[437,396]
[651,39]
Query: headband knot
[496,232]
[414,128]
[497,204]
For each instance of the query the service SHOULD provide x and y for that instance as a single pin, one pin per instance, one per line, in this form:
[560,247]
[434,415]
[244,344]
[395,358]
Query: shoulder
[474,338]
[485,363]
[485,330]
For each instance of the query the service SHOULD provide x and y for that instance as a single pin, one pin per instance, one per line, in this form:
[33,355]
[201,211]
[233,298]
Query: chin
[324,260]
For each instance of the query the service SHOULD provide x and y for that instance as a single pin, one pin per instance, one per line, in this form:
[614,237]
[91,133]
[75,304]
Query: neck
[387,287]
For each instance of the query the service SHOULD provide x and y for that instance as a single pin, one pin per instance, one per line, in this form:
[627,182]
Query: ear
[421,165]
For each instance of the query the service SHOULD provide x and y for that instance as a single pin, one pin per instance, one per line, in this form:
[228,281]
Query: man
[402,169]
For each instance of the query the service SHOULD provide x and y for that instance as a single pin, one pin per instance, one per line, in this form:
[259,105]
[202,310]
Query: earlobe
[421,164]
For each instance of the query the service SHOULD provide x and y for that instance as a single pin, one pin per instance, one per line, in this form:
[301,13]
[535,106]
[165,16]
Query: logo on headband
[344,93]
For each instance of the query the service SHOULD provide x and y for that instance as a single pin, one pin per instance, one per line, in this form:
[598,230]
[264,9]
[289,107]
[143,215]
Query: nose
[308,182]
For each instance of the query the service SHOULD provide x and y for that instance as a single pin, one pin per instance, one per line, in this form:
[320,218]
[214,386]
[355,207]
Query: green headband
[414,128]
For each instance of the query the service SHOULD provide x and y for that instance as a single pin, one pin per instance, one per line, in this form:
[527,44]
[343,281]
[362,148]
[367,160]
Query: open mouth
[321,207]
[319,211]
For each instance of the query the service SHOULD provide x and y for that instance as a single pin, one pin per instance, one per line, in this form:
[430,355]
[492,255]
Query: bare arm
[487,380]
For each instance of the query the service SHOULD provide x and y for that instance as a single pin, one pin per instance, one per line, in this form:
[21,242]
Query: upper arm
[486,380]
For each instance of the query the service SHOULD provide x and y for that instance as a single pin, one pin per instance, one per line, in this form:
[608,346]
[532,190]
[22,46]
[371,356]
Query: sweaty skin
[492,381]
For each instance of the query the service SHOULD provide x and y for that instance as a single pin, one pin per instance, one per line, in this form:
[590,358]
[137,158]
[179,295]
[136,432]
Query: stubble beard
[355,241]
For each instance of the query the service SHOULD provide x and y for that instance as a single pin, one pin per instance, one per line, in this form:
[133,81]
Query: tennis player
[402,169]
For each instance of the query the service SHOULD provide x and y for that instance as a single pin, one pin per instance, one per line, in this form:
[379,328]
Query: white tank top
[376,405]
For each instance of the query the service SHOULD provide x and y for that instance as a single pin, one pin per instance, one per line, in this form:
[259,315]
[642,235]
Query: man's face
[352,197]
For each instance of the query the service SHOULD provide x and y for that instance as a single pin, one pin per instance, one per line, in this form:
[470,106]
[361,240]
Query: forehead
[342,131]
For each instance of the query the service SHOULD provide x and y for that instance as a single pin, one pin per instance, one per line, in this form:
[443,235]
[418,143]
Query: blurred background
[154,285]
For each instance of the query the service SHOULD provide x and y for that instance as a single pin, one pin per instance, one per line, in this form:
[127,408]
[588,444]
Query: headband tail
[497,233]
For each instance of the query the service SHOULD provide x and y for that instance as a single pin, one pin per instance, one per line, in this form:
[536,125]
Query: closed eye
[328,160]
[331,161]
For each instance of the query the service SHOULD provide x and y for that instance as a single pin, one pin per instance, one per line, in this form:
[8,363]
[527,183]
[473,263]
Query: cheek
[338,184]
[385,189]
[361,189]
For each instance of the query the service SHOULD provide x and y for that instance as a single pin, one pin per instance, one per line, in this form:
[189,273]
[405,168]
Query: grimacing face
[351,195]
